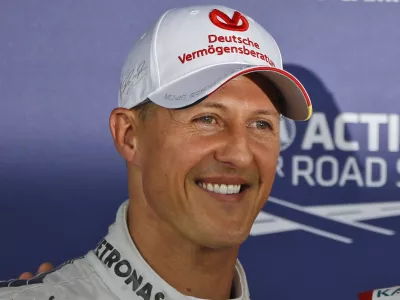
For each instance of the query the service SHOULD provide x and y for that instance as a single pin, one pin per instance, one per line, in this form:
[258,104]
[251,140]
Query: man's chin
[221,239]
[225,244]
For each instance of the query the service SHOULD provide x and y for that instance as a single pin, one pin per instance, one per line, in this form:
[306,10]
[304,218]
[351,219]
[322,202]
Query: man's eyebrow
[215,105]
[222,107]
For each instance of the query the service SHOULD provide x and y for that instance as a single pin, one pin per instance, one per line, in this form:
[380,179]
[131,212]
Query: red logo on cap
[229,23]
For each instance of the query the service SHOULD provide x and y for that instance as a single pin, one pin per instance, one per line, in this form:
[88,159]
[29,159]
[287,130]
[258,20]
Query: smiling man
[198,124]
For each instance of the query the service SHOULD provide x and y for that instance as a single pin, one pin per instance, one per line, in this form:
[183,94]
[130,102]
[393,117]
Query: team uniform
[114,270]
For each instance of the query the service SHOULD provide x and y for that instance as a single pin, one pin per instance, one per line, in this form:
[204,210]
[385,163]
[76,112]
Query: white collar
[119,263]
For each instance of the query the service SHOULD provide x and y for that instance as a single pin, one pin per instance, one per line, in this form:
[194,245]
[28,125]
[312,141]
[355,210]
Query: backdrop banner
[330,229]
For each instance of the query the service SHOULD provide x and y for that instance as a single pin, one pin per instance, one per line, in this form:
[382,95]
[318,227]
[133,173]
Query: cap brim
[194,86]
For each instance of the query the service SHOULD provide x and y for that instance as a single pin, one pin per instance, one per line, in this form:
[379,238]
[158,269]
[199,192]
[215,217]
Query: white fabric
[114,270]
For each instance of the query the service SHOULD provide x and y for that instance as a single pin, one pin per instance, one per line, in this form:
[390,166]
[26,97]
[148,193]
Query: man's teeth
[221,188]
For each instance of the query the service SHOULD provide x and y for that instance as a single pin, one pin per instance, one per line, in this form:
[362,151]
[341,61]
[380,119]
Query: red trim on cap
[283,72]
[366,295]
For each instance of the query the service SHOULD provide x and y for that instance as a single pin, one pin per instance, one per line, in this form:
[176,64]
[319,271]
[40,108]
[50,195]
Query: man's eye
[260,124]
[207,120]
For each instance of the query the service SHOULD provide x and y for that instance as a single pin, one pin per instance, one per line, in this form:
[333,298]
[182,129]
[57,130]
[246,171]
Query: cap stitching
[154,42]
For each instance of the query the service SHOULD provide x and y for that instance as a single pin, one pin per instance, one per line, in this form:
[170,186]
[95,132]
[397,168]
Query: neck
[191,269]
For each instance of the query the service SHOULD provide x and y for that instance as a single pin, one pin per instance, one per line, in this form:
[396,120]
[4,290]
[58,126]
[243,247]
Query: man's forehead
[246,92]
[225,105]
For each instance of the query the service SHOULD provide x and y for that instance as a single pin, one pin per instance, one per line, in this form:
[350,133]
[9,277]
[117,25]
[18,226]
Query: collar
[125,272]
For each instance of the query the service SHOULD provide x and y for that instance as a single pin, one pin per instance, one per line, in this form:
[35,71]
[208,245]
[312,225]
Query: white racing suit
[114,270]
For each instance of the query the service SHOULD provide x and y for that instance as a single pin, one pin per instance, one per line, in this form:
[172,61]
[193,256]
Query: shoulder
[74,277]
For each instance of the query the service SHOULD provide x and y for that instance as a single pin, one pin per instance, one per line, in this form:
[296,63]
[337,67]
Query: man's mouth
[225,189]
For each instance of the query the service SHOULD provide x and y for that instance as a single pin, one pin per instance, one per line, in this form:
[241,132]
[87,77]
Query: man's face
[207,170]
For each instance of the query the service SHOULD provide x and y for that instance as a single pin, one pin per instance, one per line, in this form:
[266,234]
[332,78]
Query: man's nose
[235,149]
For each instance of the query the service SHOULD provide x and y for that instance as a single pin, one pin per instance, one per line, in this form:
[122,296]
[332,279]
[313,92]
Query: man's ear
[123,126]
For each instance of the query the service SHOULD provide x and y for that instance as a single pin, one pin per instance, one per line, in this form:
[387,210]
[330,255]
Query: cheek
[154,162]
[268,163]
[267,172]
[166,158]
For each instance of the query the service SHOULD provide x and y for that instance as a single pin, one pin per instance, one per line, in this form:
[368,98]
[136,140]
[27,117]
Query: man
[198,124]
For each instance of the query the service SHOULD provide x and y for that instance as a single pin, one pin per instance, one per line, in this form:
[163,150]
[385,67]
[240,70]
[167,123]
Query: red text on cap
[229,23]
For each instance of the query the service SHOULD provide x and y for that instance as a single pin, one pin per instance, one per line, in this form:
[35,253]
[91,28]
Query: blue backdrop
[330,229]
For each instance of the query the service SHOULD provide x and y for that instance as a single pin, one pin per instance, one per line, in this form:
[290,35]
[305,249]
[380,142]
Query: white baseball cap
[191,52]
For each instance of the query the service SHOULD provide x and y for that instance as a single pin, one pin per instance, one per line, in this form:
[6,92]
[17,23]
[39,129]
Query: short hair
[144,108]
[262,82]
